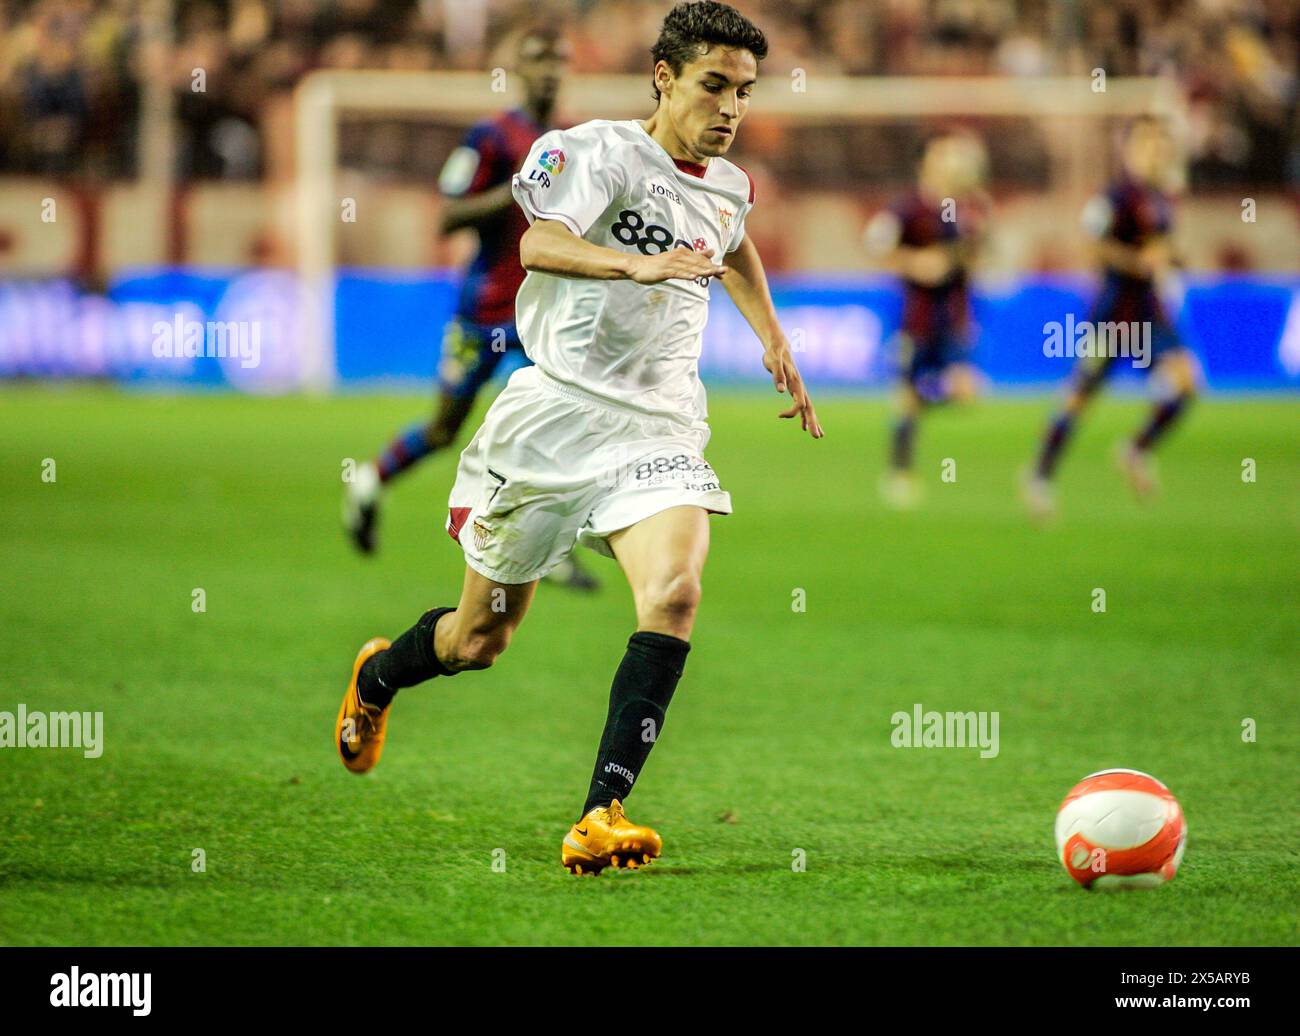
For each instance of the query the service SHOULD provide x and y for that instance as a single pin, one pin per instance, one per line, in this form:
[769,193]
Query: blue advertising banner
[244,330]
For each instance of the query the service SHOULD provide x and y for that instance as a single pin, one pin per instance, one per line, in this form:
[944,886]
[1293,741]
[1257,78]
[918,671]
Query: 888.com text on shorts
[553,466]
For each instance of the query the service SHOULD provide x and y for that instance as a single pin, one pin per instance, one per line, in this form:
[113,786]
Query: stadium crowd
[71,71]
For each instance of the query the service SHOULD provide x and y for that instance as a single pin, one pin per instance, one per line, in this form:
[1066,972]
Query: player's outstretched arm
[549,246]
[474,210]
[747,286]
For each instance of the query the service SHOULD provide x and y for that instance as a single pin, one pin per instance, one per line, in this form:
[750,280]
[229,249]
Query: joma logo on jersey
[665,192]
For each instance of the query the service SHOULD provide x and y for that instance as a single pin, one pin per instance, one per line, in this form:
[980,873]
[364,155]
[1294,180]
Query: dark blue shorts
[471,354]
[1091,371]
[921,363]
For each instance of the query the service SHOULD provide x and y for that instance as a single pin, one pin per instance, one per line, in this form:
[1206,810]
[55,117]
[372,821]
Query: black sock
[1161,418]
[900,454]
[638,699]
[1058,434]
[410,660]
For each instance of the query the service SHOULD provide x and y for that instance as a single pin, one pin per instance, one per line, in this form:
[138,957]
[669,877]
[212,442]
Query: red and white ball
[1120,829]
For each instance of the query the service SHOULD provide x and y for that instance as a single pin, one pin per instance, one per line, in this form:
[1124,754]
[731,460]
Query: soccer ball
[1120,829]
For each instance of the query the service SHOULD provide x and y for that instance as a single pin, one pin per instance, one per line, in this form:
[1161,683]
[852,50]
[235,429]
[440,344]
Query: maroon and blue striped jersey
[939,310]
[1132,214]
[491,154]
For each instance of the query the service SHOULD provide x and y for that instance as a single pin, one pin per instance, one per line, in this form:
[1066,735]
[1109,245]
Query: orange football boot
[606,838]
[360,729]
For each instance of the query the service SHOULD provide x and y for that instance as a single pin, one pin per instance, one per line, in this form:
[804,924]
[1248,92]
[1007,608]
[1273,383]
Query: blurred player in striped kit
[930,237]
[1131,223]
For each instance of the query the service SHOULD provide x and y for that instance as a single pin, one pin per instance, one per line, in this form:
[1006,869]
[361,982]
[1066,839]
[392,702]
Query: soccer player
[475,185]
[1130,224]
[929,238]
[602,440]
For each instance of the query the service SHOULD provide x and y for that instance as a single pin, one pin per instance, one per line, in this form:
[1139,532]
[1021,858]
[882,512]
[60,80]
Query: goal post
[325,97]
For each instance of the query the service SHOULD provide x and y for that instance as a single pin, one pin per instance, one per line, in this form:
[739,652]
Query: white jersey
[611,183]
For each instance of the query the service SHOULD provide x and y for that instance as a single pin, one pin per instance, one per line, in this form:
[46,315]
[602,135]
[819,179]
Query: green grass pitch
[218,724]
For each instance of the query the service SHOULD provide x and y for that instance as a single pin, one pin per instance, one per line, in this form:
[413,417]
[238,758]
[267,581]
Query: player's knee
[676,598]
[1178,382]
[1187,382]
[962,390]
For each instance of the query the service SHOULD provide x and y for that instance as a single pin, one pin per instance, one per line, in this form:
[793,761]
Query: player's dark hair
[692,28]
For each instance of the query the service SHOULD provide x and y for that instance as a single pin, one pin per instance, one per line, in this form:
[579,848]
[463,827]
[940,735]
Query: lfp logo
[549,163]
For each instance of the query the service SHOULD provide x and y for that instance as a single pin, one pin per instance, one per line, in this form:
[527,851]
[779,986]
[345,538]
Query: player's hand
[785,376]
[676,263]
[1155,259]
[931,265]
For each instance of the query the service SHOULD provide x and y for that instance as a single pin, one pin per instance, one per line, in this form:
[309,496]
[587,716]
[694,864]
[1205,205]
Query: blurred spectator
[71,71]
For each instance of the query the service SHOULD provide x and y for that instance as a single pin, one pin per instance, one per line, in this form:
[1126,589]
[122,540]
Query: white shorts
[553,466]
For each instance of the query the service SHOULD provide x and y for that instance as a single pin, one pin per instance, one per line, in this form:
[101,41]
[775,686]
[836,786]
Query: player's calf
[902,441]
[898,485]
[410,660]
[1061,428]
[1163,416]
[382,669]
[439,436]
[442,430]
[639,697]
[1180,375]
[444,642]
[480,628]
[470,645]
